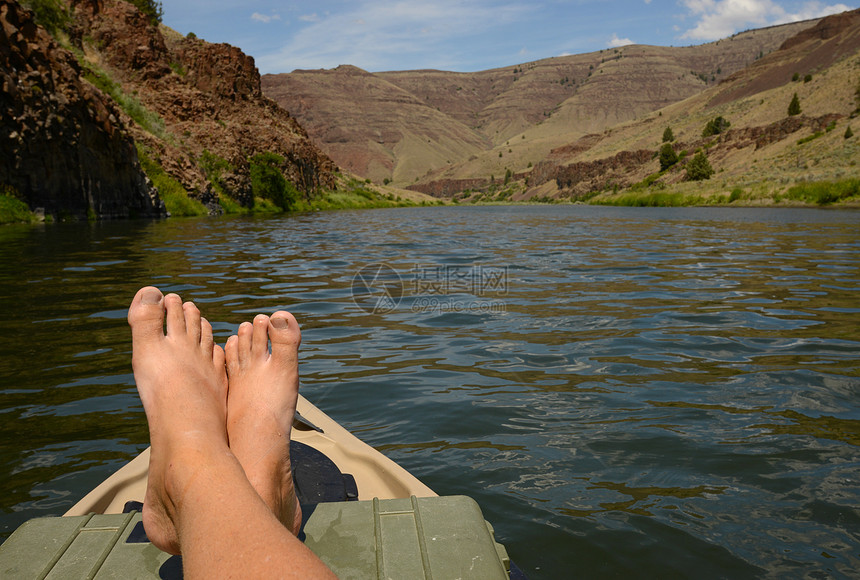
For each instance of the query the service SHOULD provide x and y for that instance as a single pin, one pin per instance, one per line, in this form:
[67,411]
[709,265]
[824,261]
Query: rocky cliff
[208,98]
[63,146]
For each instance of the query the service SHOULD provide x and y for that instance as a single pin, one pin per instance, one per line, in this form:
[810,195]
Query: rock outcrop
[209,99]
[579,179]
[71,149]
[63,145]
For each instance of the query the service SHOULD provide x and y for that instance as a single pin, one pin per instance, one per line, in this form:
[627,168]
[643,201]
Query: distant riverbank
[351,194]
[356,194]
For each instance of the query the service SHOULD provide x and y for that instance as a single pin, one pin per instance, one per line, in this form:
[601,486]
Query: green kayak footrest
[414,539]
[93,546]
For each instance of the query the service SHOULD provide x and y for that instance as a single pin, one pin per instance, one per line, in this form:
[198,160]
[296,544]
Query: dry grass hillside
[370,126]
[764,151]
[419,126]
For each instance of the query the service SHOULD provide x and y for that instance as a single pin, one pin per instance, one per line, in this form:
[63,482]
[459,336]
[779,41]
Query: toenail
[150,297]
[279,323]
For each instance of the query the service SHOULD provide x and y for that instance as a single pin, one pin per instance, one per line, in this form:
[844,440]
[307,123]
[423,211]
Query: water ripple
[662,393]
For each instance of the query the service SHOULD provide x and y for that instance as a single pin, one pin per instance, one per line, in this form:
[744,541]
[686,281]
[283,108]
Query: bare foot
[261,404]
[182,382]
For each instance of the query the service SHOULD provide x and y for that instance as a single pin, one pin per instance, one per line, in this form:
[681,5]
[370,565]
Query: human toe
[285,335]
[260,336]
[193,323]
[284,328]
[207,339]
[243,342]
[146,313]
[175,315]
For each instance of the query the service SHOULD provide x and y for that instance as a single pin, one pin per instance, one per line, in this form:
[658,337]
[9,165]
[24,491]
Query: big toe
[146,313]
[285,335]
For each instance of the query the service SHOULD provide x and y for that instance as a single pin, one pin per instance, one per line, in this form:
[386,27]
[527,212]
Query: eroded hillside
[763,150]
[372,126]
[760,149]
[422,125]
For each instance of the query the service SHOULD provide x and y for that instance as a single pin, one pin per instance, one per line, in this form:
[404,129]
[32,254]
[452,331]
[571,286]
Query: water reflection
[664,393]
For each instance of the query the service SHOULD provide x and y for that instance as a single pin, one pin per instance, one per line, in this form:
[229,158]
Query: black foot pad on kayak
[317,478]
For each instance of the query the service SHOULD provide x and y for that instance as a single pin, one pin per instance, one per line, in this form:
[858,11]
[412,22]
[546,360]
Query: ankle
[192,464]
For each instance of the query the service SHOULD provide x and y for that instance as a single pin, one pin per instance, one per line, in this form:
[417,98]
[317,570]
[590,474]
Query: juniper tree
[152,9]
[668,157]
[794,106]
[699,167]
[715,126]
[668,135]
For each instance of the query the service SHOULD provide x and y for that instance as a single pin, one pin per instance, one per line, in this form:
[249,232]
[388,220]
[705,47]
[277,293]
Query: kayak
[364,515]
[375,475]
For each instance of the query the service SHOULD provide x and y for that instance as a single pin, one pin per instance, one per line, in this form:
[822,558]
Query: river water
[646,393]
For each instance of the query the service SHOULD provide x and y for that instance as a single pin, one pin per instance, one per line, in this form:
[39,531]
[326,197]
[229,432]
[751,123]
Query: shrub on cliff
[668,135]
[12,209]
[52,15]
[715,126]
[668,157]
[699,168]
[794,106]
[151,9]
[268,181]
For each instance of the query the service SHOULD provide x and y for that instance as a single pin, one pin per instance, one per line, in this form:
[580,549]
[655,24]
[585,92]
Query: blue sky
[466,35]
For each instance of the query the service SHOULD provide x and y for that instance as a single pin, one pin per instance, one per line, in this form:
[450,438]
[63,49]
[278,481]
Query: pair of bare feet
[213,415]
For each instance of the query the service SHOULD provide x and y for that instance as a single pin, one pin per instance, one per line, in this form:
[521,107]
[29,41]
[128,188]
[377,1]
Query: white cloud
[615,42]
[264,18]
[378,34]
[310,18]
[812,10]
[721,18]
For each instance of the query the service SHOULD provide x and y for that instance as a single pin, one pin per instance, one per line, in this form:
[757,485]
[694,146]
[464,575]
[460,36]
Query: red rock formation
[581,178]
[765,135]
[447,188]
[826,29]
[209,97]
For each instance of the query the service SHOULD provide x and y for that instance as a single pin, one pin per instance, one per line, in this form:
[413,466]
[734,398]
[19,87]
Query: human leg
[198,497]
[264,389]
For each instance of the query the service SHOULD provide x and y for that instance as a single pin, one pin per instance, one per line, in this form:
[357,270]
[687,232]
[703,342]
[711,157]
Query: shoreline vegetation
[354,194]
[351,194]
